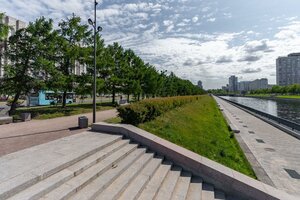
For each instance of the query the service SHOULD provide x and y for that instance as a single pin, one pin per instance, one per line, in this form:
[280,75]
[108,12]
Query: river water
[285,108]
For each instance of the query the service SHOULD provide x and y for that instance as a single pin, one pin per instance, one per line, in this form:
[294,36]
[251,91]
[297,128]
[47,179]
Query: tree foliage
[44,58]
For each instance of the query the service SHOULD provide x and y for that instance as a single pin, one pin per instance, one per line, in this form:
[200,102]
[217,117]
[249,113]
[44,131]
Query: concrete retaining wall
[233,183]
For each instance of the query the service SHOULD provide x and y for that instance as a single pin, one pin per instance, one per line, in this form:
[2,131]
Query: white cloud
[211,19]
[195,19]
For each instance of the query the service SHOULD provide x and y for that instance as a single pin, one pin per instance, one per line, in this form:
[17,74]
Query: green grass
[289,96]
[201,128]
[49,112]
[114,120]
[258,95]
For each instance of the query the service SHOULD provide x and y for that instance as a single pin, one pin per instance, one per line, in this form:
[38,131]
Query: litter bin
[83,122]
[25,117]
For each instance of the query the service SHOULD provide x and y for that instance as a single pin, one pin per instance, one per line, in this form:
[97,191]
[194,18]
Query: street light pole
[96,31]
[94,85]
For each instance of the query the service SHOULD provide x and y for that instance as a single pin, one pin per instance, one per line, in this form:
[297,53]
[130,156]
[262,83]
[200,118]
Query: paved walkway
[17,136]
[276,151]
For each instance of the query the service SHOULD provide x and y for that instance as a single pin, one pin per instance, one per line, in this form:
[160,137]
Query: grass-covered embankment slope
[49,112]
[200,127]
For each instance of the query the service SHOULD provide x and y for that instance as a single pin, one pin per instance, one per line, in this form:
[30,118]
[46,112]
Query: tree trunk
[13,106]
[64,97]
[113,94]
[128,97]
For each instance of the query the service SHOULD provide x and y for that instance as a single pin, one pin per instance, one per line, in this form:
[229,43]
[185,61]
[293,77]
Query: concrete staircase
[97,166]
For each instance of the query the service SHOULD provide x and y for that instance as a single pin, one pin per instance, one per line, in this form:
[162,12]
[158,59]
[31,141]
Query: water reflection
[284,108]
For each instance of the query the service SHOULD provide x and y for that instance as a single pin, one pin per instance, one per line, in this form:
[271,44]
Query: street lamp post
[96,31]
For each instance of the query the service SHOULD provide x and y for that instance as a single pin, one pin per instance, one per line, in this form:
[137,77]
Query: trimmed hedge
[149,109]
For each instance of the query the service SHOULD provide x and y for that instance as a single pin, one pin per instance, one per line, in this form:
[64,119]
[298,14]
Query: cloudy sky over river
[196,39]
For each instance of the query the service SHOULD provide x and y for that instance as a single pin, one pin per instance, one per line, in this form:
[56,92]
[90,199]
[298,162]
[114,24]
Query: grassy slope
[279,96]
[200,127]
[49,112]
[289,96]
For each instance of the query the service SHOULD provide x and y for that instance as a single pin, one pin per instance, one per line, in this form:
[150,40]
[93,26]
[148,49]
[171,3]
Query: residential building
[200,84]
[14,25]
[258,84]
[233,84]
[244,86]
[288,69]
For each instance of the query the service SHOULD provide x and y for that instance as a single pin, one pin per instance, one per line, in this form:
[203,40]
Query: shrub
[149,109]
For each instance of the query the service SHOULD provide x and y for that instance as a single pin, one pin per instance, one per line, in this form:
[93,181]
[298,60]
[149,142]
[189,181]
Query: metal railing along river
[288,126]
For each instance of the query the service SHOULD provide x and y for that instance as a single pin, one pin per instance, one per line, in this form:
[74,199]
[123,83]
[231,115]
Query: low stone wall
[6,120]
[233,183]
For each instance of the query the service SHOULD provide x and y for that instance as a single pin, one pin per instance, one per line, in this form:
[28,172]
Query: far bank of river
[285,108]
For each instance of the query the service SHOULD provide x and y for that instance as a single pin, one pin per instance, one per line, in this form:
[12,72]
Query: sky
[206,40]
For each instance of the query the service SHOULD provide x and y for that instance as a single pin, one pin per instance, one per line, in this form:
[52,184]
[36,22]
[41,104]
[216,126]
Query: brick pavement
[17,136]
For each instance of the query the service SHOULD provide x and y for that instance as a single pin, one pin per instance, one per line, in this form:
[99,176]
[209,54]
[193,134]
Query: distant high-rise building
[14,25]
[288,69]
[258,84]
[200,84]
[244,86]
[233,84]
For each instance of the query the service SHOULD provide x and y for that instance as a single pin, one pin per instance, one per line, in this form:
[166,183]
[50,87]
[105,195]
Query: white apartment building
[258,84]
[288,69]
[14,25]
[233,84]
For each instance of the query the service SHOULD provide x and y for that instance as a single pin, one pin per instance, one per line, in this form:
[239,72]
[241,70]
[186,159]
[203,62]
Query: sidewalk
[17,136]
[276,151]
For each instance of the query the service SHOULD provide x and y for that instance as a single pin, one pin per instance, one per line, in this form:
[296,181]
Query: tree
[73,37]
[112,69]
[28,51]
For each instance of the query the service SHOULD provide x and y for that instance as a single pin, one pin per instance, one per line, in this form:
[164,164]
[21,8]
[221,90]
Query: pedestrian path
[17,136]
[276,151]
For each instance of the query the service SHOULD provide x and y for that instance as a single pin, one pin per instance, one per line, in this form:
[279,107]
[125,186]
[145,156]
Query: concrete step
[135,188]
[219,195]
[75,184]
[26,168]
[120,184]
[208,192]
[166,190]
[45,186]
[155,182]
[182,186]
[93,189]
[195,189]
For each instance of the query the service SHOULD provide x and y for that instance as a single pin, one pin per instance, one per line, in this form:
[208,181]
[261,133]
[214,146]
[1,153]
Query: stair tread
[43,187]
[93,159]
[195,189]
[50,183]
[219,195]
[155,182]
[94,188]
[137,185]
[182,186]
[50,158]
[208,192]
[169,184]
[76,183]
[114,190]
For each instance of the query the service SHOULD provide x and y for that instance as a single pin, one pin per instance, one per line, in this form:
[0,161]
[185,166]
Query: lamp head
[99,28]
[90,22]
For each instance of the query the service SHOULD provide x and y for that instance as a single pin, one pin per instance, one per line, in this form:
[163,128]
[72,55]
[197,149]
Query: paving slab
[18,136]
[285,152]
